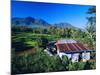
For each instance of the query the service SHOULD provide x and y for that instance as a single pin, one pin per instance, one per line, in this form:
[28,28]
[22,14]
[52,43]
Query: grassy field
[26,43]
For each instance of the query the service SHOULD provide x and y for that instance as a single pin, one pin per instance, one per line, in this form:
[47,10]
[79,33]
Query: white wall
[85,56]
[75,57]
[61,54]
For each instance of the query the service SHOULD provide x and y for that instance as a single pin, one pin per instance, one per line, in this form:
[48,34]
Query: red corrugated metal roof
[71,47]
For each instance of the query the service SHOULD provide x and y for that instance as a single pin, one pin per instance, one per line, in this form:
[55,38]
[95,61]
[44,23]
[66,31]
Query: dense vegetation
[28,46]
[41,62]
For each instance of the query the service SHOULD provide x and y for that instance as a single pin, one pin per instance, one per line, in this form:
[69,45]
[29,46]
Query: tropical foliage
[28,46]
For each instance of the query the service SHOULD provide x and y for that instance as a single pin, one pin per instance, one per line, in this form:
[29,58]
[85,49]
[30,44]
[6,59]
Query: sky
[52,12]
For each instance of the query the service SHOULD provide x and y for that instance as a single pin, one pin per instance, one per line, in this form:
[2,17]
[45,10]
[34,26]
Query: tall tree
[91,25]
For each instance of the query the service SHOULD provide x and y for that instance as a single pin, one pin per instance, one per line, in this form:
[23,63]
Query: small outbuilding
[73,49]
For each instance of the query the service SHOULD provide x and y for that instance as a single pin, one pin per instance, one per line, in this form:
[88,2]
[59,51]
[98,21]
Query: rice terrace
[51,37]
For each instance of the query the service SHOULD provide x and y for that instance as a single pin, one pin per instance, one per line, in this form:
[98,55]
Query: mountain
[64,25]
[30,22]
[35,23]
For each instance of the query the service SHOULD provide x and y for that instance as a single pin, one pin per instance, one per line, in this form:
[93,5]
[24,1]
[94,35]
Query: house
[73,49]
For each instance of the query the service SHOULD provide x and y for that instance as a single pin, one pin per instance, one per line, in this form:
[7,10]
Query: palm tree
[91,25]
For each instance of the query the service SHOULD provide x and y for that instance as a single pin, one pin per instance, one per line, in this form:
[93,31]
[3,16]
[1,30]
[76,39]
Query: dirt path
[29,51]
